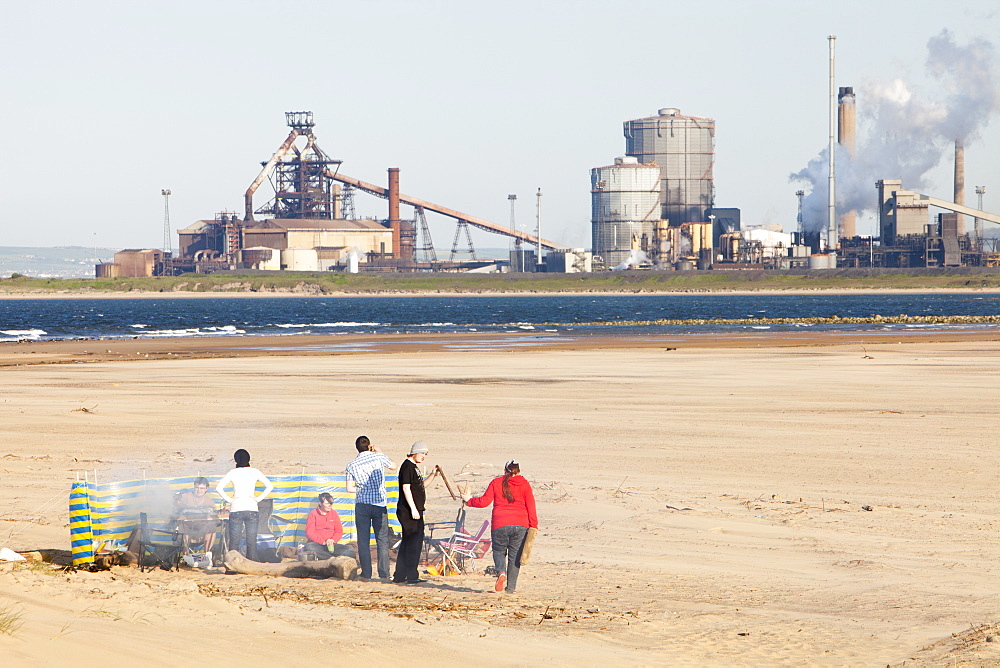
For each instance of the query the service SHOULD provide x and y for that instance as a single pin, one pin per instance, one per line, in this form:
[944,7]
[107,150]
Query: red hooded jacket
[519,512]
[321,528]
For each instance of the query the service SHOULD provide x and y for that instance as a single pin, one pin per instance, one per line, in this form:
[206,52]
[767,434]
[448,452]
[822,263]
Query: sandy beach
[761,500]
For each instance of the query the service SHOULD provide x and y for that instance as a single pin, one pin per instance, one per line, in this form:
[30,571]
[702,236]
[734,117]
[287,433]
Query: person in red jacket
[324,530]
[513,514]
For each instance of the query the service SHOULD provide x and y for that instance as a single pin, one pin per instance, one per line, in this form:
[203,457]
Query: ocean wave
[23,334]
[291,325]
[191,331]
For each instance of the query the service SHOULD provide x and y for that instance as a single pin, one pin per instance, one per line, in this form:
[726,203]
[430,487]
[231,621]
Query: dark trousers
[508,542]
[238,521]
[408,556]
[322,553]
[368,519]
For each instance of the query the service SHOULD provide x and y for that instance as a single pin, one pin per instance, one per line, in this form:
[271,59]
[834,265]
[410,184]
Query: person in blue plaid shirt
[366,478]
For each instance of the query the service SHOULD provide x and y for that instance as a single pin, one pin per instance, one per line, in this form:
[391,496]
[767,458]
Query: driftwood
[438,471]
[344,568]
[529,542]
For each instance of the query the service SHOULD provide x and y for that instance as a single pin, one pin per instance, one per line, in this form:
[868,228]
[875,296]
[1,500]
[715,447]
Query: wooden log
[529,542]
[343,568]
[438,469]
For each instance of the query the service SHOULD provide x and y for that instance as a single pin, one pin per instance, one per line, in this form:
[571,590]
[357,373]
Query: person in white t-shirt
[243,503]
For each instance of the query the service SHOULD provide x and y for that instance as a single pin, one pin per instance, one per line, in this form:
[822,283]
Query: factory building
[684,148]
[363,235]
[330,242]
[901,212]
[132,263]
[625,206]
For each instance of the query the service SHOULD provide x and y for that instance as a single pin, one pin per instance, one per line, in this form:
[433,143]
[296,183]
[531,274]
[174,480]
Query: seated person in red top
[324,530]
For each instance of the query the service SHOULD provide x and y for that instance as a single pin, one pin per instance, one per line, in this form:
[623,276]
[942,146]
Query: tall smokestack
[394,211]
[846,127]
[960,180]
[831,228]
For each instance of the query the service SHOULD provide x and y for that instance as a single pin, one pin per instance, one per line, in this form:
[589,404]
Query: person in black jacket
[410,512]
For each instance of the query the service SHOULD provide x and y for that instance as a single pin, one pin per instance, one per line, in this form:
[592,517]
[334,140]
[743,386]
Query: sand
[764,500]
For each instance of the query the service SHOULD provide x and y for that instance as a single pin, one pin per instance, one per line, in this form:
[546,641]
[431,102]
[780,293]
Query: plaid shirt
[367,470]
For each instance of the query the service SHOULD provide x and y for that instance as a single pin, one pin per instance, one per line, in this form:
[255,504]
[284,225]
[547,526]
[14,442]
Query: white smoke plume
[904,132]
[634,259]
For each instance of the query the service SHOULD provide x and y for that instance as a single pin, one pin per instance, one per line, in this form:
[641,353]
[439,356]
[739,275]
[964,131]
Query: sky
[106,103]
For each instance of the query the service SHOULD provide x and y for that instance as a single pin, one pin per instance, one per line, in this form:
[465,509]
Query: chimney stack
[394,211]
[846,128]
[960,180]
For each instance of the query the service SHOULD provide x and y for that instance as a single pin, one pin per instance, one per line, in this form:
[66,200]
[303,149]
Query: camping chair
[267,541]
[463,548]
[162,546]
[451,527]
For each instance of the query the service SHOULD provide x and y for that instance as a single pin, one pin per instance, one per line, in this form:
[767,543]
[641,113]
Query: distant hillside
[58,262]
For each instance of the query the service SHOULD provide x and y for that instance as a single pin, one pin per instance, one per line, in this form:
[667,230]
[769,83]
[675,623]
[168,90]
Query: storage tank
[625,205]
[818,261]
[684,148]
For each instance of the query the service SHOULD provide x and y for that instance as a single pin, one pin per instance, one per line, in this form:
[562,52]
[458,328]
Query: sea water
[632,315]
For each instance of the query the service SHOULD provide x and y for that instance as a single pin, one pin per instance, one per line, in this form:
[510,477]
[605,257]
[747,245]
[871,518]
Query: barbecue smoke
[904,131]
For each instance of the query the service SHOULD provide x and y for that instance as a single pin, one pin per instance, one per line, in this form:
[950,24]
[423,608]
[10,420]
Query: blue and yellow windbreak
[104,515]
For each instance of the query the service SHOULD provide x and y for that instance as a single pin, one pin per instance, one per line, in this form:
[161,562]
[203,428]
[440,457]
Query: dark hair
[200,481]
[242,458]
[362,443]
[510,469]
[325,496]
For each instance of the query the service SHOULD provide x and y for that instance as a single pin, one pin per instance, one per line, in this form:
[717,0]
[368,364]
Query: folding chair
[164,547]
[463,548]
[267,541]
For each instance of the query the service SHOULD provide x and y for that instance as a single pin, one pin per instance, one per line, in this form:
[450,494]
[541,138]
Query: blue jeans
[370,519]
[508,542]
[237,521]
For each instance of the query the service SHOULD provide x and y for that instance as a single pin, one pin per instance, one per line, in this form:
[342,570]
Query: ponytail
[510,470]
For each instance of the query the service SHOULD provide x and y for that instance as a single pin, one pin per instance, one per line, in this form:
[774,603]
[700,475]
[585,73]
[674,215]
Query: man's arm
[338,529]
[352,486]
[408,493]
[311,528]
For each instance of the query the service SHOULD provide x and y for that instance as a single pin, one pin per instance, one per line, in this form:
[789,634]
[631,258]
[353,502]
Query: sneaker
[501,582]
[414,582]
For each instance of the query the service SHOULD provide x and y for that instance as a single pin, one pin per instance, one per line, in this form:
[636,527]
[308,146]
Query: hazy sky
[106,103]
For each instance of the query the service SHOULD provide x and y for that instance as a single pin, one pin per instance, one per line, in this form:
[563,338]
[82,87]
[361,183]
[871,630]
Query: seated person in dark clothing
[195,514]
[324,530]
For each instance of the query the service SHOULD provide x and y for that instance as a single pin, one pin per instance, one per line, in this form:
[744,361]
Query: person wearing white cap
[410,513]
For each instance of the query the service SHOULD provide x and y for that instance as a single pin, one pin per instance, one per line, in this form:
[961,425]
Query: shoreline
[139,294]
[77,351]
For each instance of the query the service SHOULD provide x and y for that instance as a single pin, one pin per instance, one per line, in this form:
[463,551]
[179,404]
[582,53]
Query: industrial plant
[653,208]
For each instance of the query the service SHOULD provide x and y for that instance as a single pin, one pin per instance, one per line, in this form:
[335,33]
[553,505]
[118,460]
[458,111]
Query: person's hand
[416,515]
[329,544]
[466,497]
